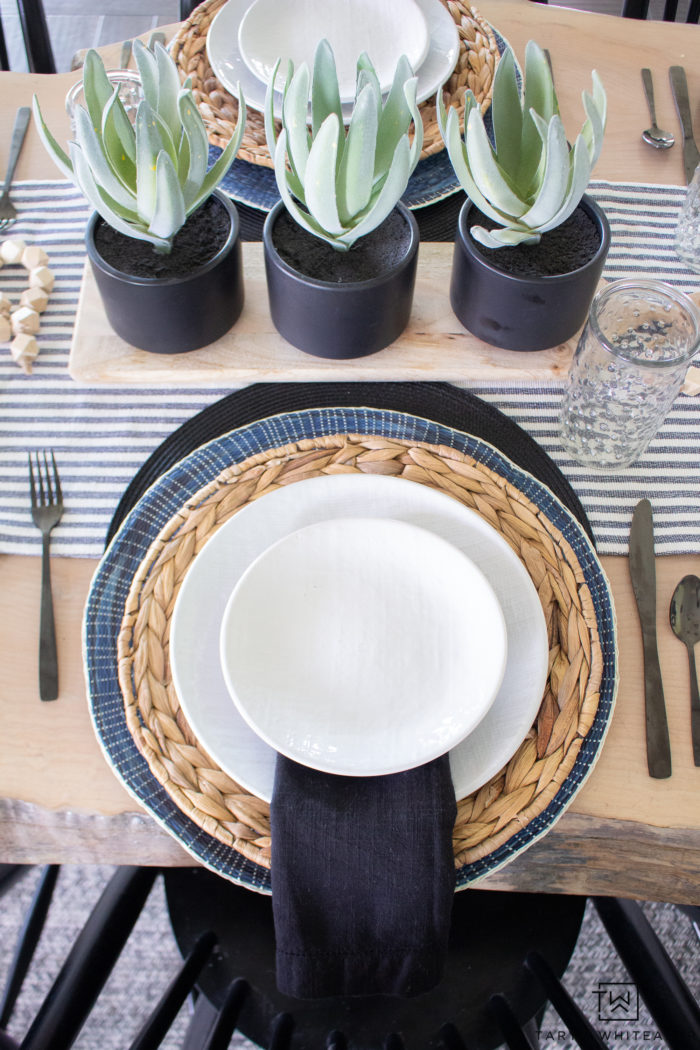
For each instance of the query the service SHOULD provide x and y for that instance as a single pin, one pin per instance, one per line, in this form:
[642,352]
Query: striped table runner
[102,435]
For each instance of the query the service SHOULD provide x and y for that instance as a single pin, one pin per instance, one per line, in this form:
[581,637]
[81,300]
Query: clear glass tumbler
[127,81]
[687,239]
[628,367]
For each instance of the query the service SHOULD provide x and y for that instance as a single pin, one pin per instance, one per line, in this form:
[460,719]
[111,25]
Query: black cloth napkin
[363,879]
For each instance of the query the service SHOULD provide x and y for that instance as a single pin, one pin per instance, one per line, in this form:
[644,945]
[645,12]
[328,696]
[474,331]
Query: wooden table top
[624,834]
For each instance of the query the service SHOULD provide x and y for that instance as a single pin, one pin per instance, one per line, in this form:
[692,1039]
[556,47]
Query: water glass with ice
[628,367]
[687,238]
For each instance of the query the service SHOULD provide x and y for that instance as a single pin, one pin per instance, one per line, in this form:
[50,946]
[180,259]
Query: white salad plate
[231,70]
[194,639]
[386,29]
[363,646]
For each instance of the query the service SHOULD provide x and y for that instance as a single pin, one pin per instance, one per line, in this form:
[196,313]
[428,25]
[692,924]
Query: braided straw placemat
[490,816]
[476,65]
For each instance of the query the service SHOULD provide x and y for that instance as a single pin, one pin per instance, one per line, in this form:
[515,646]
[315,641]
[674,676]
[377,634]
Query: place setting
[204,664]
[227,45]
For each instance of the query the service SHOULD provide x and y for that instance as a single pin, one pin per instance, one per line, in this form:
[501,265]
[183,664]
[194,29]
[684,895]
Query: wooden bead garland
[22,319]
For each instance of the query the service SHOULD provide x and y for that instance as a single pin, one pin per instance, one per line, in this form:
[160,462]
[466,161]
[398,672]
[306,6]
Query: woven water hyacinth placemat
[476,65]
[214,818]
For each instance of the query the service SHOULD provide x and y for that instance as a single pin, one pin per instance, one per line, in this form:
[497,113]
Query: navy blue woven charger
[189,463]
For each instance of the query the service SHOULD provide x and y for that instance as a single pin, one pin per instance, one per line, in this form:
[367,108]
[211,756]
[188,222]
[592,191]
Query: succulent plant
[144,179]
[340,186]
[532,180]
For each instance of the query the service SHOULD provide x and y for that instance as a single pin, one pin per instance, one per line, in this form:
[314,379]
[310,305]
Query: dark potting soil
[562,250]
[369,257]
[199,240]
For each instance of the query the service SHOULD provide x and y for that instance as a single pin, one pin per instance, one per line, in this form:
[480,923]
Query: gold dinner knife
[643,575]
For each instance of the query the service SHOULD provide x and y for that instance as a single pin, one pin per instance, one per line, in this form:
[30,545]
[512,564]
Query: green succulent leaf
[298,213]
[193,154]
[169,211]
[147,66]
[503,238]
[118,133]
[506,114]
[223,162]
[485,169]
[269,110]
[539,93]
[120,157]
[57,154]
[325,93]
[396,116]
[294,110]
[594,128]
[366,75]
[148,146]
[97,89]
[168,81]
[410,89]
[599,97]
[356,173]
[319,184]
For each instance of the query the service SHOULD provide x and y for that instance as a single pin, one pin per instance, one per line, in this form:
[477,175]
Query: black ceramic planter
[523,313]
[178,314]
[339,320]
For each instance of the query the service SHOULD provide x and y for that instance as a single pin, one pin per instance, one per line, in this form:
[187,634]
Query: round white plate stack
[245,40]
[343,621]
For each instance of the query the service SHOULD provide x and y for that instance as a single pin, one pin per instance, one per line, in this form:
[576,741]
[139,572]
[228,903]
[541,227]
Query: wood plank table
[625,833]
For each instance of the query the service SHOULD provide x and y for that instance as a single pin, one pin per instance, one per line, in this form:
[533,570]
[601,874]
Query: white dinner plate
[363,646]
[385,29]
[231,70]
[199,609]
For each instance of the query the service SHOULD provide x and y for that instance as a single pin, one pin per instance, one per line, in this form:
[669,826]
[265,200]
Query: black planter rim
[650,285]
[338,287]
[587,203]
[164,282]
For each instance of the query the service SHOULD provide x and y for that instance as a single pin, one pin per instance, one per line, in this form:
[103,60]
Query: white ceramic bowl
[385,29]
[229,67]
[363,646]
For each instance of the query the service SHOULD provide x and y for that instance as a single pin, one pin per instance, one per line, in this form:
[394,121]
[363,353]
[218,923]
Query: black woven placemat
[439,402]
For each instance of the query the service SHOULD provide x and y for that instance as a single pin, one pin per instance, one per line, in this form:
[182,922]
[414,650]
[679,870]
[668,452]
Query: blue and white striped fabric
[102,435]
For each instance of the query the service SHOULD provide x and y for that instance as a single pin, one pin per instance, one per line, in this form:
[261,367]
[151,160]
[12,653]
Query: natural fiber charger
[476,65]
[490,816]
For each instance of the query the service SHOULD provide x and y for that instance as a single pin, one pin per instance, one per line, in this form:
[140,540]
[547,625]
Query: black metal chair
[90,962]
[640,9]
[493,992]
[35,33]
[187,7]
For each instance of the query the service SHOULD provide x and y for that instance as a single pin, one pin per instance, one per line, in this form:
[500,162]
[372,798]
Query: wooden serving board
[434,346]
